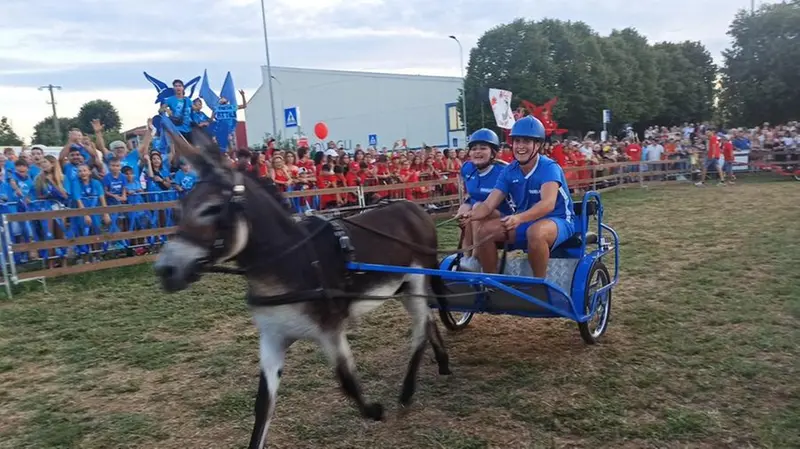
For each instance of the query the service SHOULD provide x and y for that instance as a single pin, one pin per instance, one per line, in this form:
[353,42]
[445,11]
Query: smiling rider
[537,188]
[480,175]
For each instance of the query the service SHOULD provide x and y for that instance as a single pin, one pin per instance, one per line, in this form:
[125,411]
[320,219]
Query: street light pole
[464,86]
[280,84]
[52,102]
[269,72]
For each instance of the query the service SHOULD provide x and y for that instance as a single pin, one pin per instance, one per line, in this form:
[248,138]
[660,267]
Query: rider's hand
[511,222]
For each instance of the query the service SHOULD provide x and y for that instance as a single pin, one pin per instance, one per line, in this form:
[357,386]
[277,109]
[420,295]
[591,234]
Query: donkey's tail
[439,289]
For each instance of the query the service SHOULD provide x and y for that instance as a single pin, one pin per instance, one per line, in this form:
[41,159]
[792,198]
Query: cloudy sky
[99,48]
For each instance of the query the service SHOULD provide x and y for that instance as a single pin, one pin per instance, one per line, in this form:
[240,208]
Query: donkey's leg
[437,343]
[336,347]
[272,351]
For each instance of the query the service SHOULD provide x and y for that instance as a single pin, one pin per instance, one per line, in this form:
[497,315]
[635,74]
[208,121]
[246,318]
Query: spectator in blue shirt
[22,192]
[33,167]
[114,183]
[88,192]
[199,118]
[3,188]
[179,109]
[21,183]
[156,175]
[8,161]
[50,184]
[75,160]
[78,142]
[185,179]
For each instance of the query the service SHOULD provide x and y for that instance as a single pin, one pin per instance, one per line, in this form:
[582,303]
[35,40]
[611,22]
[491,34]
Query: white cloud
[98,49]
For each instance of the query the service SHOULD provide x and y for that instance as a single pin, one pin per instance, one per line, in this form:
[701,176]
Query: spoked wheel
[455,321]
[592,330]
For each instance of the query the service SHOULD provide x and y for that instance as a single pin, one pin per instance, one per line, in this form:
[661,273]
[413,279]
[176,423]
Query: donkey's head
[212,227]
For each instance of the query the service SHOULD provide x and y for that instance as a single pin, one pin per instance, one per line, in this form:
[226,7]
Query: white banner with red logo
[501,106]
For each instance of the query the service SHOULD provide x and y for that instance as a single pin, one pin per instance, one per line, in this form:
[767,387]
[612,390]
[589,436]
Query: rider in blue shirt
[480,175]
[537,187]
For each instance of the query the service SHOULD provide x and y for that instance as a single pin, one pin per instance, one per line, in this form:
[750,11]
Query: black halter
[234,202]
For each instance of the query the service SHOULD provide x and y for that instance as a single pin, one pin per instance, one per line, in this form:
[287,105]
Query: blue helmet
[484,135]
[528,126]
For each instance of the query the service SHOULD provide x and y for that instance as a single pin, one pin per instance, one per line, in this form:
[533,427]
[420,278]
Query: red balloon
[321,130]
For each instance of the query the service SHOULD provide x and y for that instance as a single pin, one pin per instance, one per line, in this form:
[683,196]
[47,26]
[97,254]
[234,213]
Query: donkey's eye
[211,210]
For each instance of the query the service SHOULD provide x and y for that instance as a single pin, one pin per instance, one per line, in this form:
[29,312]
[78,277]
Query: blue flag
[224,113]
[165,91]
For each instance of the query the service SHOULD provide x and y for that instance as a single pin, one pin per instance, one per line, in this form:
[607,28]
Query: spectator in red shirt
[557,154]
[712,159]
[506,155]
[727,155]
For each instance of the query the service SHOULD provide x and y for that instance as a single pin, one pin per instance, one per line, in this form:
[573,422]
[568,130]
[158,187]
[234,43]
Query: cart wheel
[455,321]
[797,177]
[593,329]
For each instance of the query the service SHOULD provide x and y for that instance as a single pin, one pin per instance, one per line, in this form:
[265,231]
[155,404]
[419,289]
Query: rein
[235,202]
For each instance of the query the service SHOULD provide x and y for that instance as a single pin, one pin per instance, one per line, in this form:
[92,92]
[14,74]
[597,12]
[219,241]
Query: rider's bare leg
[487,252]
[541,236]
[469,230]
[475,230]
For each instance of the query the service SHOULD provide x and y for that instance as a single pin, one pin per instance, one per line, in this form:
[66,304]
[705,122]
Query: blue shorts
[712,164]
[565,231]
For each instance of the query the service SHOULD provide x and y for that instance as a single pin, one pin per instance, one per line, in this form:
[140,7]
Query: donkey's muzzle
[176,278]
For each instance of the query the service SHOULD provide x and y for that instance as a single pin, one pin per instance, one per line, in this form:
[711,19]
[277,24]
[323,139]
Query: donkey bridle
[233,204]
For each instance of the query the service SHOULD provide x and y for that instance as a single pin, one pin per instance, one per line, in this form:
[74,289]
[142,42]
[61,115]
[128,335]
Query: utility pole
[52,101]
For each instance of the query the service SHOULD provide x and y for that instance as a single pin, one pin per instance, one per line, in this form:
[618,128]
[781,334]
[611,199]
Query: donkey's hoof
[374,411]
[445,370]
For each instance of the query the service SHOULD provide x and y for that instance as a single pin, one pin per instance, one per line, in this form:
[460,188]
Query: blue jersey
[51,193]
[480,184]
[526,190]
[185,180]
[70,174]
[113,185]
[26,187]
[199,117]
[81,191]
[180,107]
[33,171]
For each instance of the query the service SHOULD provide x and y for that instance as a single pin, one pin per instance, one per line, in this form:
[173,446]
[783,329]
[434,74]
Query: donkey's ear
[196,156]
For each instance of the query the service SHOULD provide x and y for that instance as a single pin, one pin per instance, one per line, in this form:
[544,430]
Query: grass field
[702,352]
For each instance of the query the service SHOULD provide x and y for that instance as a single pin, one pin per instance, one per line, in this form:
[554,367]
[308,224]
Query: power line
[52,102]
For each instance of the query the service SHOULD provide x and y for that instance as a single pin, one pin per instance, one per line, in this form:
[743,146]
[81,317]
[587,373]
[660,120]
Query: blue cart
[578,283]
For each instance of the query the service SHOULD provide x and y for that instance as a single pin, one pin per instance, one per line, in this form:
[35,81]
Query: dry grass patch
[701,352]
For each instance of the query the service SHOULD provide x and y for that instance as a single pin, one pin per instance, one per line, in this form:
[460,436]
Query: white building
[357,105]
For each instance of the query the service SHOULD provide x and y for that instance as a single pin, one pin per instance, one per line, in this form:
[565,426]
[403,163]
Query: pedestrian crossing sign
[290,119]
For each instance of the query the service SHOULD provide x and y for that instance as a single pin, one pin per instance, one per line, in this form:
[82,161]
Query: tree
[686,81]
[639,82]
[760,77]
[45,134]
[97,109]
[7,134]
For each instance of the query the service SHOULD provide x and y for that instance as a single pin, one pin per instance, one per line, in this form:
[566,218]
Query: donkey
[298,284]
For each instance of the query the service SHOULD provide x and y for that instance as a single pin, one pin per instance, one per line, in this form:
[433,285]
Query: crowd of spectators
[90,173]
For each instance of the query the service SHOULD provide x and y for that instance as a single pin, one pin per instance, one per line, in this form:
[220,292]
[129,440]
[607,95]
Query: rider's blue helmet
[528,126]
[485,135]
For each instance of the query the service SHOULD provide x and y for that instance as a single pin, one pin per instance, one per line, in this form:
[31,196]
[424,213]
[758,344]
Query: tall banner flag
[223,107]
[164,91]
[501,106]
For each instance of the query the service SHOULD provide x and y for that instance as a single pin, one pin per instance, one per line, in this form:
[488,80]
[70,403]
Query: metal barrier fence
[64,241]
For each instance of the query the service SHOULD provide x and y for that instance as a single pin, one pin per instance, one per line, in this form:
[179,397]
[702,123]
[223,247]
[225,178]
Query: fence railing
[41,243]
